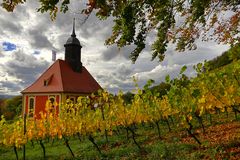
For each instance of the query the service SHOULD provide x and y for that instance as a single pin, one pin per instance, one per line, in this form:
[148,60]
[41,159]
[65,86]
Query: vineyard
[192,112]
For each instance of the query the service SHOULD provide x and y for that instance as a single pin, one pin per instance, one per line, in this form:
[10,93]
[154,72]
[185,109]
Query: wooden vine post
[24,131]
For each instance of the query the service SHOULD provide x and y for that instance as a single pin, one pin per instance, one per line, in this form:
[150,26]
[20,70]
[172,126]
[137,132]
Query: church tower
[73,51]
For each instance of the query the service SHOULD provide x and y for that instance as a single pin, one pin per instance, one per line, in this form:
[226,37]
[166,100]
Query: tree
[2,107]
[14,105]
[134,20]
[162,89]
[128,97]
[11,107]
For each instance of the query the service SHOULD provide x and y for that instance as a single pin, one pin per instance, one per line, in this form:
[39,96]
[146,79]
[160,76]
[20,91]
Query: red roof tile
[61,78]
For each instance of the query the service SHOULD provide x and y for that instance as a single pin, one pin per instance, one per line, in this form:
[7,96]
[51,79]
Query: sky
[27,39]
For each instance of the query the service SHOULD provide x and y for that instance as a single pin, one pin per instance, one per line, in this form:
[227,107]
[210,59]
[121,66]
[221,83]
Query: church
[64,79]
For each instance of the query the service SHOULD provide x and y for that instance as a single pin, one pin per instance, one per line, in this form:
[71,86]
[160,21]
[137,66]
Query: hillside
[226,58]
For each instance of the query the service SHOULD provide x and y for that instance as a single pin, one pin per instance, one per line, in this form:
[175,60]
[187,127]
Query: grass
[221,141]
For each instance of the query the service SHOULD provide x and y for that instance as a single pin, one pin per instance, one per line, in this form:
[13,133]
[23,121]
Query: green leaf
[183,69]
[148,84]
[196,93]
[167,78]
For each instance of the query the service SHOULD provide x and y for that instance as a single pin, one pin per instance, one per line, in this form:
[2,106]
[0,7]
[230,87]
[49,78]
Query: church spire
[73,31]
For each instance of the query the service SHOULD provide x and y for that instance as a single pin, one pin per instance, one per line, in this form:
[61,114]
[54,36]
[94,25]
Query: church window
[31,107]
[72,99]
[52,100]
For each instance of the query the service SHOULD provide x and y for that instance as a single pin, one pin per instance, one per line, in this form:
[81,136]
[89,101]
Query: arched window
[31,106]
[72,98]
[53,104]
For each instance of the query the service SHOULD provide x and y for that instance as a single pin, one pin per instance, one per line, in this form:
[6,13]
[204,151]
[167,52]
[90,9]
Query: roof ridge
[61,79]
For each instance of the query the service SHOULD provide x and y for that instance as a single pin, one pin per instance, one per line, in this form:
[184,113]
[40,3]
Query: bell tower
[73,51]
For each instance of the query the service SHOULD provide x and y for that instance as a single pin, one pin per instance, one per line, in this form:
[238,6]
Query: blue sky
[8,46]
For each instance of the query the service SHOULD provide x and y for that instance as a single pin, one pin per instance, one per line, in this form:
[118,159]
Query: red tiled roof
[61,78]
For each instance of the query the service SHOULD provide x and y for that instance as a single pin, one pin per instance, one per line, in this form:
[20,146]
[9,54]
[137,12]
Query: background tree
[11,107]
[162,89]
[128,97]
[2,107]
[171,21]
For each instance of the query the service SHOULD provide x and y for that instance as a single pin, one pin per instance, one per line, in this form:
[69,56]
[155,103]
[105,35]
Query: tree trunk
[43,148]
[169,128]
[158,128]
[15,151]
[95,144]
[68,146]
[189,130]
[134,140]
[200,121]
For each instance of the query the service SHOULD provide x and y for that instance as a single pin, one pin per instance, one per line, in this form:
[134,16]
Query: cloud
[36,52]
[160,72]
[9,26]
[7,46]
[39,40]
[9,87]
[20,71]
[115,77]
[112,52]
[202,53]
[1,55]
